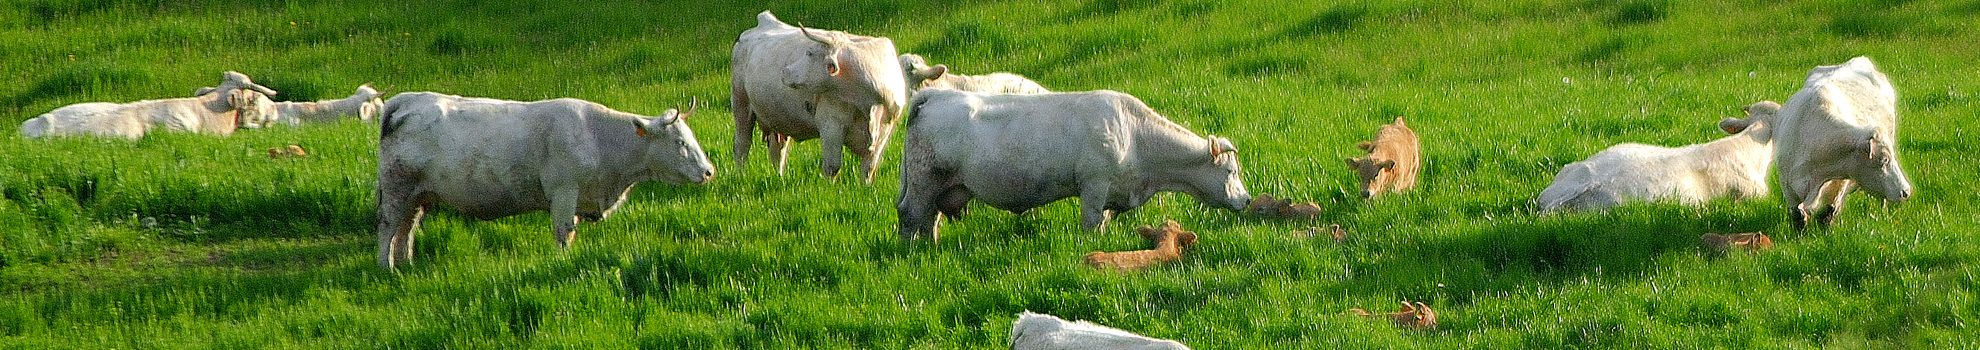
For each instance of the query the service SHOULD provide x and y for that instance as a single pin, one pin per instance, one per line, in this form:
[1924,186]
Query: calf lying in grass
[1720,244]
[293,151]
[1034,331]
[1418,316]
[1265,205]
[1170,240]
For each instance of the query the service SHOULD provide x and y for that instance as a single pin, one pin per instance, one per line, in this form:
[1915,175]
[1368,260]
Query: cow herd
[998,138]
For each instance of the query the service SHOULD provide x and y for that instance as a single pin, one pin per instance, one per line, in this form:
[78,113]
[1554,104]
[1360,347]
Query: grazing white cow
[798,84]
[491,158]
[1838,132]
[238,103]
[1035,331]
[1018,152]
[920,75]
[1731,166]
[362,104]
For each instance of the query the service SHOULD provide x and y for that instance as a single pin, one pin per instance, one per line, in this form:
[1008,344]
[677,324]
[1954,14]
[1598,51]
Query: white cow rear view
[491,158]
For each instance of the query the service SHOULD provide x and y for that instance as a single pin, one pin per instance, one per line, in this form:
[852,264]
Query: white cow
[362,104]
[1035,331]
[1018,152]
[238,103]
[491,158]
[798,84]
[1731,166]
[920,75]
[1839,131]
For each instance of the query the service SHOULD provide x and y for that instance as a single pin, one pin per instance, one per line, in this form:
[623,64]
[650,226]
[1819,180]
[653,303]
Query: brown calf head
[1375,173]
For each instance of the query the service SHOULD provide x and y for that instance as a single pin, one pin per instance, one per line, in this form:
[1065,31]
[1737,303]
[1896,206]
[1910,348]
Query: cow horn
[813,37]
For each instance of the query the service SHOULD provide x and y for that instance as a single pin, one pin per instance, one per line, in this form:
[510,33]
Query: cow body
[797,84]
[1733,166]
[238,103]
[1839,132]
[1018,152]
[1394,156]
[1035,331]
[491,158]
[362,104]
[920,75]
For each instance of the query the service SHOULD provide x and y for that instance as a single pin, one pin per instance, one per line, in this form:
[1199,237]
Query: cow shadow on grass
[1510,254]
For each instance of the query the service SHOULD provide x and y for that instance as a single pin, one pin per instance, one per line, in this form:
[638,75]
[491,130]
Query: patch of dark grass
[78,79]
[1265,66]
[1639,12]
[1112,7]
[968,37]
[1335,20]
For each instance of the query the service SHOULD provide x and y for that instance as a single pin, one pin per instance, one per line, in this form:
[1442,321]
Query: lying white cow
[1018,152]
[798,84]
[491,158]
[1839,131]
[920,75]
[1034,331]
[362,104]
[1731,166]
[238,103]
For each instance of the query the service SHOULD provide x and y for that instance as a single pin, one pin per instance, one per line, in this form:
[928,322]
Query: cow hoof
[1797,219]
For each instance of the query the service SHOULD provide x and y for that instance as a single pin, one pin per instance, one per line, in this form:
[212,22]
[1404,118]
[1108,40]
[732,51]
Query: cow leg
[1833,194]
[1093,204]
[832,143]
[563,215]
[397,218]
[745,129]
[780,149]
[919,189]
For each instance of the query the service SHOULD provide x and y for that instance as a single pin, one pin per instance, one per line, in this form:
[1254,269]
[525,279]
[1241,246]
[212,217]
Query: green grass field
[203,242]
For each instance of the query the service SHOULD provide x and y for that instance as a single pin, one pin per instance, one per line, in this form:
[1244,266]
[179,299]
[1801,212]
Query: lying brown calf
[1170,240]
[1418,316]
[1265,205]
[291,151]
[1720,244]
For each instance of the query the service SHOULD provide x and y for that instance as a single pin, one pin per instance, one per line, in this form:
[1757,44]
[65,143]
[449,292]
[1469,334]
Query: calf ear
[1387,164]
[1365,146]
[1353,163]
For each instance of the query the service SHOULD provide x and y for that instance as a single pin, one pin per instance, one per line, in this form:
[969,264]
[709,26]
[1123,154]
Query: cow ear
[639,126]
[1353,163]
[938,70]
[1387,164]
[1734,125]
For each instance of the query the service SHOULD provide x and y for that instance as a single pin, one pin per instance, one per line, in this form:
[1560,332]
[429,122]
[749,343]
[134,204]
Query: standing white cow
[238,103]
[491,158]
[362,104]
[798,84]
[1018,152]
[1839,131]
[1734,165]
[920,75]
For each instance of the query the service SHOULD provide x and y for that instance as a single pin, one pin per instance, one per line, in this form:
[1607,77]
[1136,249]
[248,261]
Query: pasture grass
[195,241]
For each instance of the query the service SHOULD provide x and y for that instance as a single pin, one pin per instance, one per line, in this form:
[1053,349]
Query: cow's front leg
[563,215]
[1093,205]
[1831,199]
[832,143]
[745,133]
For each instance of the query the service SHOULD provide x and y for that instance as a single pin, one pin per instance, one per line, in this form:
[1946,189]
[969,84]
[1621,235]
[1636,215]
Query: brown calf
[1393,158]
[1170,240]
[1418,316]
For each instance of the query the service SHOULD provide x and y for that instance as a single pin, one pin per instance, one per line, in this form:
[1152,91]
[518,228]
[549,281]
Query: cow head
[252,109]
[1876,166]
[1374,173]
[1224,185]
[372,103]
[1761,113]
[917,71]
[678,156]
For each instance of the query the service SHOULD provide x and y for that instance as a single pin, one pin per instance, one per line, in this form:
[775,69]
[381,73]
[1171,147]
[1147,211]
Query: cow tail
[914,108]
[388,118]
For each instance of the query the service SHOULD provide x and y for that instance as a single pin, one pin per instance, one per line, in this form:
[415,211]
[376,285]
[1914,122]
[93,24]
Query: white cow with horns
[238,103]
[491,158]
[1018,152]
[797,84]
[1837,133]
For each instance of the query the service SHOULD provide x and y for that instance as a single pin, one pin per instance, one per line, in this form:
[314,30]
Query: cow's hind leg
[397,218]
[1831,200]
[780,149]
